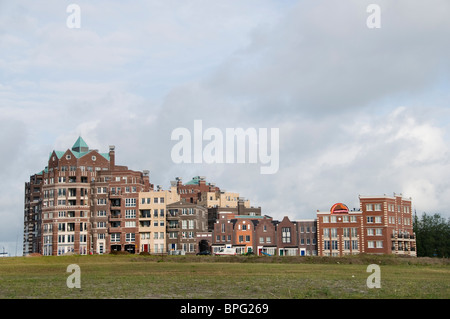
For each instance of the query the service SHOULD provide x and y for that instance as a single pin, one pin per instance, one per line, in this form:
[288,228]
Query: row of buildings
[83,203]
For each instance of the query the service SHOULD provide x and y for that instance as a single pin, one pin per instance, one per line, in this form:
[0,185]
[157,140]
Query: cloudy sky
[359,110]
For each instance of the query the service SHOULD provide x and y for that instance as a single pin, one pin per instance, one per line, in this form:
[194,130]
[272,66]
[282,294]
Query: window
[377,219]
[130,223]
[369,207]
[370,219]
[101,224]
[247,238]
[191,224]
[130,237]
[326,232]
[286,234]
[370,232]
[326,219]
[326,244]
[377,207]
[333,232]
[347,244]
[101,213]
[346,232]
[130,202]
[379,243]
[184,224]
[115,237]
[130,213]
[334,244]
[101,201]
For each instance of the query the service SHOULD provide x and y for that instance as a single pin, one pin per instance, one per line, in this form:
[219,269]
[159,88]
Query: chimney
[146,180]
[112,157]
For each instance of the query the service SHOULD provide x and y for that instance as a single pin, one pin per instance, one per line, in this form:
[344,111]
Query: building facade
[192,190]
[339,231]
[152,218]
[83,203]
[185,222]
[388,225]
[382,225]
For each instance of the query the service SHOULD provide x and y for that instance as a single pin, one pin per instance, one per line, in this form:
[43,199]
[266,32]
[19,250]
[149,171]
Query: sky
[360,111]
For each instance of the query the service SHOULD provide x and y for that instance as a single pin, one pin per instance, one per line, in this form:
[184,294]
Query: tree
[432,235]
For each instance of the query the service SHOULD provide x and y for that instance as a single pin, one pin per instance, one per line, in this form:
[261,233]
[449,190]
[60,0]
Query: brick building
[185,221]
[307,237]
[192,190]
[82,203]
[287,238]
[388,225]
[246,233]
[339,231]
[382,225]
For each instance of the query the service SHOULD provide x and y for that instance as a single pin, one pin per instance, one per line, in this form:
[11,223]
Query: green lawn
[131,276]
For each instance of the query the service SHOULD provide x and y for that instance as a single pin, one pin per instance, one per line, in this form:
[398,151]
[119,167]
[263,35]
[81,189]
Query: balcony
[115,227]
[115,202]
[114,217]
[173,225]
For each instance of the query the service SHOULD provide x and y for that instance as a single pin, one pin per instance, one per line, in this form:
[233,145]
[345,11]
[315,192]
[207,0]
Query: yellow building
[152,218]
[221,199]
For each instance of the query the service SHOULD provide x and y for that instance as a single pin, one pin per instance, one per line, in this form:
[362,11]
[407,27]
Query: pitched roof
[80,146]
[79,149]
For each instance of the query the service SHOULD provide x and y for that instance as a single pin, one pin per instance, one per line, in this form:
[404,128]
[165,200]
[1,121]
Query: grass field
[133,276]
